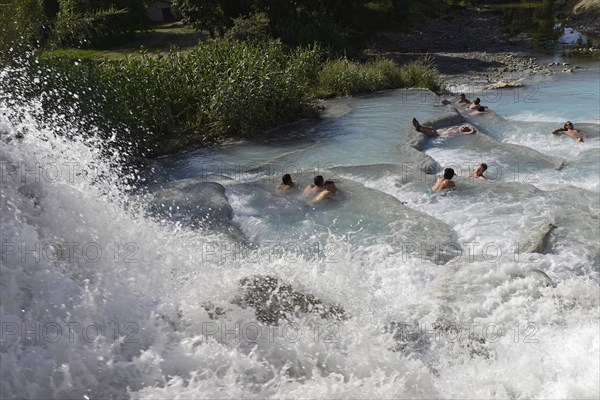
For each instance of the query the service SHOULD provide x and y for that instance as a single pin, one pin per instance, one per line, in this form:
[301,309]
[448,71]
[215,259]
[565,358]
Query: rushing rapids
[172,285]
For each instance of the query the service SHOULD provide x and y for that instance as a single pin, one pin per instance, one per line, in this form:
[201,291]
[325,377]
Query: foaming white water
[130,293]
[531,116]
[113,306]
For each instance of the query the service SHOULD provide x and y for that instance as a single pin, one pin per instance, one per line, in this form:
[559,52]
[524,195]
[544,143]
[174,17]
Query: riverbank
[158,104]
[583,15]
[469,46]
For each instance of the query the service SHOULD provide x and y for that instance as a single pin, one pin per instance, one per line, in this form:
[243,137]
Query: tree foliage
[334,23]
[68,22]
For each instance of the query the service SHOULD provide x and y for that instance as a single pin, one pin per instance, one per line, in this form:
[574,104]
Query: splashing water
[102,297]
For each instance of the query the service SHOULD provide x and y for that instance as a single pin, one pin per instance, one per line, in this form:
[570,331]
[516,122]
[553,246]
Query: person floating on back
[462,99]
[478,173]
[430,131]
[315,187]
[286,183]
[328,192]
[570,130]
[444,182]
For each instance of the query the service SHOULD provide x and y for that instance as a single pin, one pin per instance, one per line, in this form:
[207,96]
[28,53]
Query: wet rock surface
[274,300]
[198,204]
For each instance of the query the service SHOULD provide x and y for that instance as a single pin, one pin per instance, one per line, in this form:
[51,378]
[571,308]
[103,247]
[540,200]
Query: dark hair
[567,123]
[329,183]
[484,165]
[319,180]
[477,101]
[462,95]
[287,178]
[481,108]
[448,173]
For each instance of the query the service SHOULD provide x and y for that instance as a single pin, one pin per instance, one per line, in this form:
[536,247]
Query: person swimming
[445,181]
[315,187]
[430,131]
[329,191]
[478,173]
[476,104]
[462,99]
[570,130]
[286,183]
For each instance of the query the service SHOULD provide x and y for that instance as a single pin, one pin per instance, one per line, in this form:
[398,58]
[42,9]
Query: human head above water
[481,168]
[448,173]
[462,96]
[319,181]
[329,185]
[477,101]
[568,124]
[286,179]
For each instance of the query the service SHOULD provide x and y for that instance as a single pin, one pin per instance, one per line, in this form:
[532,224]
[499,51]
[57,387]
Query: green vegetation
[340,24]
[102,62]
[76,23]
[343,77]
[219,89]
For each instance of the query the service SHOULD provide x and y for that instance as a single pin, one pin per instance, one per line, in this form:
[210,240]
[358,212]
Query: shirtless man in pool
[476,104]
[478,173]
[462,99]
[570,130]
[430,131]
[328,193]
[286,184]
[315,187]
[444,182]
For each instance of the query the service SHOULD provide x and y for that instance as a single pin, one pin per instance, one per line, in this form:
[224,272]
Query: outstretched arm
[558,131]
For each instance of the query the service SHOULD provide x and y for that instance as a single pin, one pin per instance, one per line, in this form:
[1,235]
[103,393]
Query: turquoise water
[571,96]
[482,316]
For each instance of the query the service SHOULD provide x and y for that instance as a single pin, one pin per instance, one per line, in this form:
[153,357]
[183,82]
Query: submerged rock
[538,242]
[419,338]
[198,204]
[273,300]
[542,276]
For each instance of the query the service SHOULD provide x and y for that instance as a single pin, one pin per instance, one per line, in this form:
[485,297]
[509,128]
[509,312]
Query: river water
[108,288]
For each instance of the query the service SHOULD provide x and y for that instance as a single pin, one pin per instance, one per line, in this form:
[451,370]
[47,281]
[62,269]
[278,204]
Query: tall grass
[422,74]
[343,77]
[218,89]
[160,103]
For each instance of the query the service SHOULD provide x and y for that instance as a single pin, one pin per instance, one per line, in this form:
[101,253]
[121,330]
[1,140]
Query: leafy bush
[203,14]
[90,28]
[253,28]
[22,22]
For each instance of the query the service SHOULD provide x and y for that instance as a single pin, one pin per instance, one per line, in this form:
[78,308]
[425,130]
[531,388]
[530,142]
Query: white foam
[156,292]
